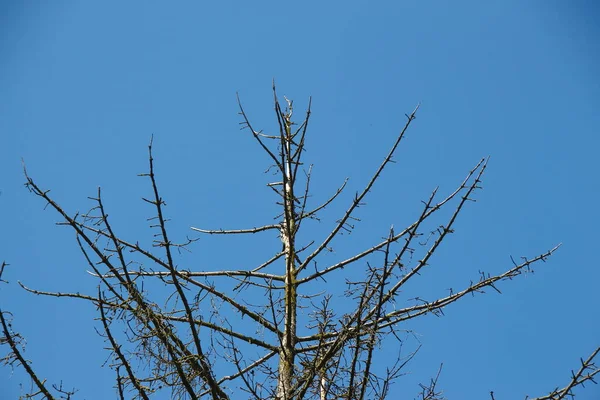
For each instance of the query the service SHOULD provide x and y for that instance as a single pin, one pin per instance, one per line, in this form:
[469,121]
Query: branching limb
[16,355]
[126,306]
[430,392]
[393,318]
[117,349]
[183,273]
[427,212]
[257,136]
[443,231]
[249,368]
[197,274]
[206,371]
[415,311]
[313,213]
[359,197]
[236,231]
[586,372]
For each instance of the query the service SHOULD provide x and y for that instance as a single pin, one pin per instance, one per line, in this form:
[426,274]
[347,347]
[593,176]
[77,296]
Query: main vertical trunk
[288,233]
[288,343]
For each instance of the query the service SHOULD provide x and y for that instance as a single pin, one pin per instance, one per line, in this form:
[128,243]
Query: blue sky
[86,84]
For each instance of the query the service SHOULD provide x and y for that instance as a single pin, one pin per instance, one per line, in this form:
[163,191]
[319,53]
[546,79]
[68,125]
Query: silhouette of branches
[191,334]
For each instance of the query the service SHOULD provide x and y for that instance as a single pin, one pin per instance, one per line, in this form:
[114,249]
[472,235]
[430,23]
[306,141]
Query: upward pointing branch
[357,201]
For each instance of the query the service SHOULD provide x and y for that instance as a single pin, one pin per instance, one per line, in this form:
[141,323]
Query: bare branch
[427,212]
[394,317]
[15,353]
[586,372]
[236,231]
[358,199]
[117,349]
[257,135]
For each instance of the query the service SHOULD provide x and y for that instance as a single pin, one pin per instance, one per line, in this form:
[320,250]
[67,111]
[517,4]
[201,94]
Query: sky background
[84,85]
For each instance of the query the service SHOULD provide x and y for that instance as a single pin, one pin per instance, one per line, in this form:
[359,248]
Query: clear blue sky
[85,84]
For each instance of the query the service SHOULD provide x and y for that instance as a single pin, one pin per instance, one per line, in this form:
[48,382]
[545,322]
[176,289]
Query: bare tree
[206,337]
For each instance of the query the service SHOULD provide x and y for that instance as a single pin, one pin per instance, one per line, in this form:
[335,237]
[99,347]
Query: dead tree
[204,338]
